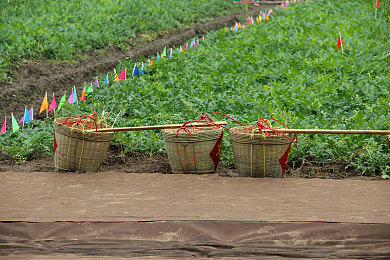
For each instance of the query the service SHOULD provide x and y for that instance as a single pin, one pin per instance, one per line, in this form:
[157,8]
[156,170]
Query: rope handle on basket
[78,121]
[264,123]
[205,118]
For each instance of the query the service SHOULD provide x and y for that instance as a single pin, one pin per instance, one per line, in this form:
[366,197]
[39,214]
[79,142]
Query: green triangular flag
[164,54]
[89,90]
[15,125]
[62,102]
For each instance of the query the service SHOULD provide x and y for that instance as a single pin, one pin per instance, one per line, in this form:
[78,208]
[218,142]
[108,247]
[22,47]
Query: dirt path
[113,196]
[33,78]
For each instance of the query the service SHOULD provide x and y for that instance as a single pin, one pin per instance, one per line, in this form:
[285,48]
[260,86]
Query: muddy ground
[138,162]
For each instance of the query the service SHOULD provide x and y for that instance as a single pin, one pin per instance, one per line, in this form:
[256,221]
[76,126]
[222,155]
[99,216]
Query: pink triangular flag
[96,83]
[31,114]
[21,120]
[122,75]
[53,104]
[4,126]
[71,99]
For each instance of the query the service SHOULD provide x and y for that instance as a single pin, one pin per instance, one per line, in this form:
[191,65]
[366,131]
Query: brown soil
[138,162]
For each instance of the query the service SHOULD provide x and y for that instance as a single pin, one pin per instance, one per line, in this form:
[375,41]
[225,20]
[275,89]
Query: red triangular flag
[339,42]
[3,129]
[53,104]
[215,154]
[122,75]
[377,4]
[55,143]
[284,158]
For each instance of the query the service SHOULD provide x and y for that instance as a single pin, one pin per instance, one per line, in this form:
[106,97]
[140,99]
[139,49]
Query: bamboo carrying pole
[152,127]
[284,130]
[331,131]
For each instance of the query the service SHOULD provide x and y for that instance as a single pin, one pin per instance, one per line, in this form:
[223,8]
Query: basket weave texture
[185,153]
[79,150]
[257,156]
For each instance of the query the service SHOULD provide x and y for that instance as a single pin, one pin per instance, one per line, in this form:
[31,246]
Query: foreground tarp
[172,239]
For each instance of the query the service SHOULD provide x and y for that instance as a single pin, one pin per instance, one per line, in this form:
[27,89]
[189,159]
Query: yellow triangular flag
[44,105]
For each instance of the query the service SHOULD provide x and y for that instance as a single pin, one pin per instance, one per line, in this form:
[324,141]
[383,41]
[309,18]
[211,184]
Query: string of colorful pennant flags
[28,115]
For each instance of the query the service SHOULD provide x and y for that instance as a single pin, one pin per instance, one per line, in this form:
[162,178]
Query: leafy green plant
[51,29]
[371,159]
[34,141]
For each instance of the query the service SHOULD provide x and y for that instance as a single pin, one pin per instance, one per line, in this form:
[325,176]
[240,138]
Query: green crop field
[286,67]
[62,29]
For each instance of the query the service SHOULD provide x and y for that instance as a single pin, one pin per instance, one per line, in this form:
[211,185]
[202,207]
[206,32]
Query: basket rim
[192,129]
[195,137]
[240,130]
[80,134]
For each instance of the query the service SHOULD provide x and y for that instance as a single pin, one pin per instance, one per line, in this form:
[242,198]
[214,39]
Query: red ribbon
[79,120]
[263,124]
[55,143]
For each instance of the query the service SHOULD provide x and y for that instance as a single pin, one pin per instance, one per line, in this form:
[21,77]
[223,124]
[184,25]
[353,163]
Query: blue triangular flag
[170,53]
[106,81]
[74,95]
[26,115]
[158,57]
[135,71]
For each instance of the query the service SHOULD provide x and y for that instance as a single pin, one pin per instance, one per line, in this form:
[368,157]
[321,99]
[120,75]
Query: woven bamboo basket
[79,150]
[257,156]
[197,154]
